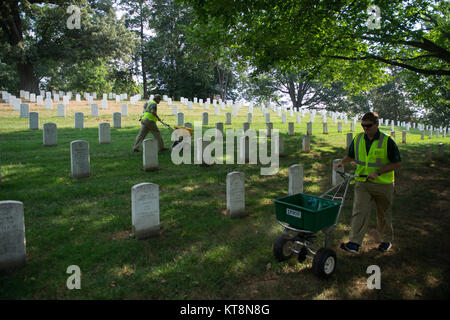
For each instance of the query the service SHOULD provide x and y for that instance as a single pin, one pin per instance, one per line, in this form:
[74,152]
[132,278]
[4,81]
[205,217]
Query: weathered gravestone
[295,179]
[205,118]
[219,126]
[117,120]
[24,110]
[61,110]
[228,118]
[124,110]
[325,128]
[145,210]
[349,139]
[306,145]
[104,133]
[180,118]
[291,128]
[79,120]
[280,142]
[33,120]
[94,110]
[79,159]
[48,104]
[150,154]
[309,128]
[269,128]
[249,117]
[49,134]
[235,194]
[12,235]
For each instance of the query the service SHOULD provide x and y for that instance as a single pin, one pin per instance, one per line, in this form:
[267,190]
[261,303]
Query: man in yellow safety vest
[376,156]
[148,124]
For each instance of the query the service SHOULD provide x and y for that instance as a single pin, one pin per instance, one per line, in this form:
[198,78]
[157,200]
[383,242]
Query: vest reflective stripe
[373,160]
[148,114]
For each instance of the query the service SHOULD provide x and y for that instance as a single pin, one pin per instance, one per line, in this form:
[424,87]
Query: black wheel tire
[324,263]
[281,248]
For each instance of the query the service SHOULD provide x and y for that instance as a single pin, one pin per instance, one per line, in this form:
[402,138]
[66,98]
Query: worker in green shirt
[148,124]
[376,156]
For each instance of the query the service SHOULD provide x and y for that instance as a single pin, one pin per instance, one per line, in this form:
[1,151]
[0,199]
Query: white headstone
[235,194]
[306,143]
[117,120]
[79,159]
[249,117]
[94,110]
[295,179]
[325,127]
[309,128]
[180,119]
[228,118]
[61,110]
[24,110]
[150,154]
[104,133]
[205,118]
[49,134]
[349,139]
[269,128]
[145,210]
[219,126]
[12,235]
[124,110]
[291,128]
[79,120]
[34,120]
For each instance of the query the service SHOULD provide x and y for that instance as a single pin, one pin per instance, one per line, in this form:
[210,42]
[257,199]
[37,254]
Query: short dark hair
[157,96]
[370,116]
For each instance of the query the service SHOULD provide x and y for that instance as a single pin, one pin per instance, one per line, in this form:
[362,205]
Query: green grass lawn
[201,253]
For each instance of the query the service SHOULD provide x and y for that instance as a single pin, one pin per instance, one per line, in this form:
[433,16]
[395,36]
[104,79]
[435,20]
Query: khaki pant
[148,126]
[383,195]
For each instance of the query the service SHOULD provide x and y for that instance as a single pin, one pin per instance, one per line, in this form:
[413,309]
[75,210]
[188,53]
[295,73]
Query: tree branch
[428,72]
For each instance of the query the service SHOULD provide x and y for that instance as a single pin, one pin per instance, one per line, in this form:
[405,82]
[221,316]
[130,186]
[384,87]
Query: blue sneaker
[350,247]
[384,246]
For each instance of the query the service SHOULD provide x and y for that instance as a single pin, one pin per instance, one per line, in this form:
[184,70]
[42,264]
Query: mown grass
[201,253]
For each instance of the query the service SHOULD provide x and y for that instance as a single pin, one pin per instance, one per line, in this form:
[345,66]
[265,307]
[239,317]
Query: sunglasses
[367,125]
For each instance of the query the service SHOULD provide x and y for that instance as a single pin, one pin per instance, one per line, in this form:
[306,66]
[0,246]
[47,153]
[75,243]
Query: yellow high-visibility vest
[377,158]
[148,115]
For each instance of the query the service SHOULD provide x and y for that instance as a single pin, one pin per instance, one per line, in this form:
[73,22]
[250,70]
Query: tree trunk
[27,78]
[144,74]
